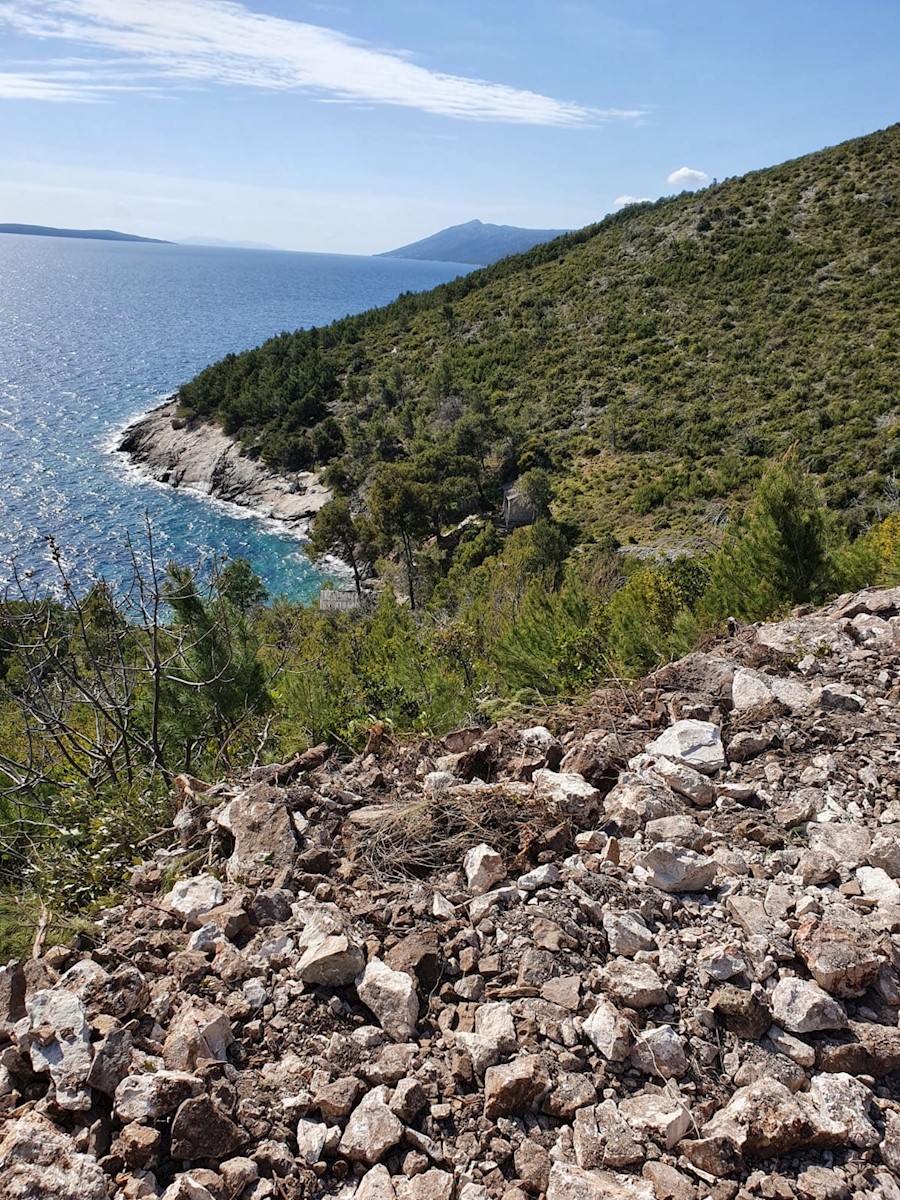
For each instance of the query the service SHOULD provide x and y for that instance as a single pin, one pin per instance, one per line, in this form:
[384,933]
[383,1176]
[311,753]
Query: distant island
[474,242]
[99,235]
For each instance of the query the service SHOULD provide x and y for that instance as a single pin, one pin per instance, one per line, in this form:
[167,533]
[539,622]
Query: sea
[92,334]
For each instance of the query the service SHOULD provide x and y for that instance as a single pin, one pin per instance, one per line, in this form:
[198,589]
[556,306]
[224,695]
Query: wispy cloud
[621,201]
[687,177]
[220,42]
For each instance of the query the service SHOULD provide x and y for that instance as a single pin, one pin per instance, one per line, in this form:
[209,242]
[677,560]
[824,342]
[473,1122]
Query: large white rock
[185,1187]
[568,1182]
[329,956]
[634,984]
[608,1031]
[846,1100]
[189,899]
[801,1006]
[372,1129]
[876,883]
[660,1051]
[569,792]
[199,1033]
[602,1138]
[311,1137]
[146,1098]
[58,1038]
[662,1117]
[680,778]
[751,689]
[495,1021]
[38,1160]
[483,867]
[697,744]
[376,1184]
[392,997]
[483,1051]
[634,801]
[675,869]
[627,933]
[765,1119]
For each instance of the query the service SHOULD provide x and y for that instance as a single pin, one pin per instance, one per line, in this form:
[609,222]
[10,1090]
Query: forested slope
[650,362]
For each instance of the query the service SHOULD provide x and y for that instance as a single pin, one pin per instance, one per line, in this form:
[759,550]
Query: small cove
[92,334]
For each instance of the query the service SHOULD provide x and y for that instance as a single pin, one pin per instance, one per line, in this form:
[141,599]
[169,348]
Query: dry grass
[429,832]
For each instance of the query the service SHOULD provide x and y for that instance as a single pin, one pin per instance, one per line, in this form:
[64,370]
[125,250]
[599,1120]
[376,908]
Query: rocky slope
[196,454]
[647,951]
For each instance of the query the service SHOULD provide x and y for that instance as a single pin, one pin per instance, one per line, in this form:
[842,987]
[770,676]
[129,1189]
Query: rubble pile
[647,951]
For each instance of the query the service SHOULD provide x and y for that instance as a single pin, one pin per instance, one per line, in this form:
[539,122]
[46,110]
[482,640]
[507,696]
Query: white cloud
[687,177]
[621,201]
[220,42]
[59,82]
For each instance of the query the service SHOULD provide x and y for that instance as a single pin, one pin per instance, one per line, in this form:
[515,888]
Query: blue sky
[355,126]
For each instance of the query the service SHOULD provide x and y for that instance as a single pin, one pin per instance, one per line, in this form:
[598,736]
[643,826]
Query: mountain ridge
[99,235]
[474,243]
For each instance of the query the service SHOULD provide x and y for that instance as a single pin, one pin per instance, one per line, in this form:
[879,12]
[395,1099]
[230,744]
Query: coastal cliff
[198,455]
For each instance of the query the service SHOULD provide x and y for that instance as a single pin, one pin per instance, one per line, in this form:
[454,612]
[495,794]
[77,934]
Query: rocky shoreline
[649,951]
[199,456]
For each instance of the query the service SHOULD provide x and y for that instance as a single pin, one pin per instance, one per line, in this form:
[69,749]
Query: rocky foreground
[648,953]
[197,454]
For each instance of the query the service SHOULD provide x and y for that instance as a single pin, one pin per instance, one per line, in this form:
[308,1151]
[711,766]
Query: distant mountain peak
[474,242]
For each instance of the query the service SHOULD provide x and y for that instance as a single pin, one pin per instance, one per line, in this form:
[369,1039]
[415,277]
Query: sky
[357,126]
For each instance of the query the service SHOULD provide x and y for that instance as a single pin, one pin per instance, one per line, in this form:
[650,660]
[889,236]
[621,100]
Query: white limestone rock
[660,1052]
[662,1117]
[675,869]
[608,1031]
[876,883]
[372,1129]
[627,933]
[634,984]
[483,867]
[392,997]
[328,954]
[57,1036]
[189,899]
[801,1006]
[570,793]
[199,1033]
[39,1160]
[311,1137]
[750,689]
[148,1097]
[569,1182]
[696,744]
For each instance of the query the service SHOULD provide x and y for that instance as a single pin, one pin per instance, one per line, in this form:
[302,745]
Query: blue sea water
[92,334]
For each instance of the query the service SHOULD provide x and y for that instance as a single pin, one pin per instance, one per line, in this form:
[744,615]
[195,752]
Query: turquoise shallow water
[94,333]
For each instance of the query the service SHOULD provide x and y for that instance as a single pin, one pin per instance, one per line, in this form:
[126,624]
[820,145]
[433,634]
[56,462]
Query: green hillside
[650,363]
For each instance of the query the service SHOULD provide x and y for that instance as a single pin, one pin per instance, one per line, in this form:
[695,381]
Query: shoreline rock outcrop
[629,984]
[198,455]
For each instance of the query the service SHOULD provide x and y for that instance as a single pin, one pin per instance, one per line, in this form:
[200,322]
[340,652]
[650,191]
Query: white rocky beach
[197,455]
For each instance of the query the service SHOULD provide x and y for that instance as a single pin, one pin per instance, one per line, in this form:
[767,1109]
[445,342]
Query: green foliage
[536,489]
[648,616]
[335,530]
[554,646]
[780,554]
